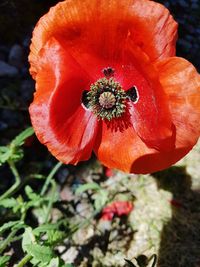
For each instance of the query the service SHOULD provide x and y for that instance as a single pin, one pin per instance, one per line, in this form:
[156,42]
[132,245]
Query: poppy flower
[108,81]
[118,208]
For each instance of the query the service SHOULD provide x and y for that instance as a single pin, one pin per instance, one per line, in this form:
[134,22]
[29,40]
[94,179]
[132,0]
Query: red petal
[122,149]
[181,83]
[107,216]
[118,208]
[103,27]
[154,29]
[123,207]
[59,120]
[108,172]
[150,115]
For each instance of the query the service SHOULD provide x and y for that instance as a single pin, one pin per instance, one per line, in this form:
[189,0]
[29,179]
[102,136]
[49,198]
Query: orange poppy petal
[103,27]
[150,115]
[63,125]
[128,153]
[181,83]
[154,29]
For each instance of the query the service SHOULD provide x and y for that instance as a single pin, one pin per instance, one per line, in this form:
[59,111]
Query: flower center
[106,99]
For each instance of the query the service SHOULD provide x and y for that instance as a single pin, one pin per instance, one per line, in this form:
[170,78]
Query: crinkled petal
[103,27]
[181,83]
[59,120]
[124,150]
[150,114]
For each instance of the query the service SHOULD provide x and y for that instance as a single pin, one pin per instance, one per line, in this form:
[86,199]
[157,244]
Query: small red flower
[117,208]
[107,80]
[108,172]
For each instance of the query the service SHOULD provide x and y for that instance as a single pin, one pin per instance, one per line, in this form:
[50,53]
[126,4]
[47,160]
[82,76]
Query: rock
[2,56]
[12,118]
[26,42]
[15,57]
[24,72]
[4,51]
[62,175]
[7,71]
[84,209]
[27,89]
[70,255]
[66,194]
[3,126]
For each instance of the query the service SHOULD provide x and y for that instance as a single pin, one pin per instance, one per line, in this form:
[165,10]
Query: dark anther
[108,71]
[84,99]
[132,94]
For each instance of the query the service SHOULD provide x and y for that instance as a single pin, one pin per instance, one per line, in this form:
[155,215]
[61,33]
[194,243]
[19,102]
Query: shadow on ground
[111,241]
[180,238]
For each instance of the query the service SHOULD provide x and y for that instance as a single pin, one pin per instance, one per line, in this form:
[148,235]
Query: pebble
[27,89]
[7,70]
[15,57]
[62,175]
[3,126]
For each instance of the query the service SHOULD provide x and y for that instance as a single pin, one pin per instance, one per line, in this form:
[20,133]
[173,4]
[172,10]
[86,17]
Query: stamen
[106,99]
[108,72]
[132,94]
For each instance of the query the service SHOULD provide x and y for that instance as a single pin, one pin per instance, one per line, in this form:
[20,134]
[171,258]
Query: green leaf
[4,260]
[100,199]
[31,195]
[7,225]
[5,154]
[86,187]
[40,253]
[44,228]
[13,152]
[55,236]
[19,139]
[28,238]
[8,202]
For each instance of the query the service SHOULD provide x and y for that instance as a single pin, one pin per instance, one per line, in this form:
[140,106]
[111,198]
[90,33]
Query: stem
[14,187]
[49,177]
[26,259]
[7,241]
[50,202]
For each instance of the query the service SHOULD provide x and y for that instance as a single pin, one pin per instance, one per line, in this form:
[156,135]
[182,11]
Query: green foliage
[13,151]
[4,261]
[86,187]
[39,253]
[39,240]
[37,244]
